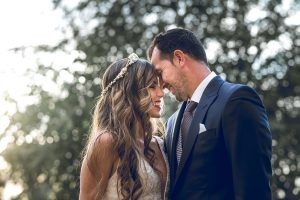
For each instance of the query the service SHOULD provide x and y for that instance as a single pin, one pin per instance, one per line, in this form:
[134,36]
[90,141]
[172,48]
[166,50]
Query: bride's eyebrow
[155,82]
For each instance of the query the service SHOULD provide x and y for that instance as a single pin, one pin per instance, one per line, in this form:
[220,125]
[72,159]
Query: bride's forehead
[157,79]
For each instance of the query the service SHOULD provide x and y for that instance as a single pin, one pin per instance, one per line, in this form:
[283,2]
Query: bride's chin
[154,114]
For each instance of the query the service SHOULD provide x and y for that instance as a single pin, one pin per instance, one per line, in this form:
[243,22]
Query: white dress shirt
[201,87]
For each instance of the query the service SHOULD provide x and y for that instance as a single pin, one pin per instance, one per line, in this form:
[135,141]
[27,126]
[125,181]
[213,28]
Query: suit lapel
[209,95]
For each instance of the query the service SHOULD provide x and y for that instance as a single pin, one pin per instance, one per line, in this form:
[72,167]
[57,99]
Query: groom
[219,140]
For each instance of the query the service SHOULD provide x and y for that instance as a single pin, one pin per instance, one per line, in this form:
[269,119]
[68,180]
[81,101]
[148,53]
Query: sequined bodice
[150,181]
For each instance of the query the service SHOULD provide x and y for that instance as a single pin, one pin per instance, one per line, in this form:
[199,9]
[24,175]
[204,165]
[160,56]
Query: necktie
[185,125]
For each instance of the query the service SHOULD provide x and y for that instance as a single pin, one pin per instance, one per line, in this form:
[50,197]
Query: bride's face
[156,94]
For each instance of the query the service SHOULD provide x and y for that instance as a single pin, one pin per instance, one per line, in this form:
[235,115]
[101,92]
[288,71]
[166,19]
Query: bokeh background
[43,131]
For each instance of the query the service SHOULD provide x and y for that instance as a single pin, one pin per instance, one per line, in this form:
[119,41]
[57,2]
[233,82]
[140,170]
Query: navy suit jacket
[231,160]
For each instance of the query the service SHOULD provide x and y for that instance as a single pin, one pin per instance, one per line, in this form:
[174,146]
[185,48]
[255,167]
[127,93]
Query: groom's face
[170,74]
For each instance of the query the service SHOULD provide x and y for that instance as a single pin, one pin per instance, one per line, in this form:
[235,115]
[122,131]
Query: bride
[123,160]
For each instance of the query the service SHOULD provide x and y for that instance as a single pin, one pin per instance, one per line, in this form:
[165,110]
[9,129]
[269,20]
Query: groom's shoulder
[231,90]
[233,86]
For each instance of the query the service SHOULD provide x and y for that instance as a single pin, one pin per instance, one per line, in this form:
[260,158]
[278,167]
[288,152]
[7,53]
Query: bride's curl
[122,112]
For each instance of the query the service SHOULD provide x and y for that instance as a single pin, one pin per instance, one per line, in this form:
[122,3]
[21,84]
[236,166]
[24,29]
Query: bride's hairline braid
[132,58]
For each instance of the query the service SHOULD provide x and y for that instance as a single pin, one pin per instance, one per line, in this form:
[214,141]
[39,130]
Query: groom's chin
[179,98]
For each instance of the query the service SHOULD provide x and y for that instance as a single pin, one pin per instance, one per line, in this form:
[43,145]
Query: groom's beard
[178,90]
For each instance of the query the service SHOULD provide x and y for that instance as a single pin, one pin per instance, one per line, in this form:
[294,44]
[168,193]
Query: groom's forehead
[156,56]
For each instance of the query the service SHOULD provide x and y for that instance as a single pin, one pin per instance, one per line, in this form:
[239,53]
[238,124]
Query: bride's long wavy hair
[122,112]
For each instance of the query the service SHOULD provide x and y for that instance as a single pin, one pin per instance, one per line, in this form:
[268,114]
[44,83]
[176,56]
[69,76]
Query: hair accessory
[132,58]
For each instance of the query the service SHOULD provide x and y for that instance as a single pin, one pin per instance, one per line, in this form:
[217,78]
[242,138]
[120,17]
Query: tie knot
[191,106]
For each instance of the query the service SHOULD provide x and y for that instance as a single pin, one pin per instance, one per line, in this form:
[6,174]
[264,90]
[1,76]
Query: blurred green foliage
[249,42]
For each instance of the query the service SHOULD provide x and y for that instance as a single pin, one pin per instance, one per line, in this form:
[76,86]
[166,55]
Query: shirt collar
[201,87]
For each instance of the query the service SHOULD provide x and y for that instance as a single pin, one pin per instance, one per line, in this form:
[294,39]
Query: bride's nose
[159,92]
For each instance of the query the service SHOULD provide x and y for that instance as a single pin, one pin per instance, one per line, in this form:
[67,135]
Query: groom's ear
[179,58]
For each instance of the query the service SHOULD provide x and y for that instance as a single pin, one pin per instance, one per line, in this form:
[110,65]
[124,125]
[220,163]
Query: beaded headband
[132,58]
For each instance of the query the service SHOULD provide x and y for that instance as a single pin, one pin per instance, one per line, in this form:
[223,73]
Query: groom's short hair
[178,39]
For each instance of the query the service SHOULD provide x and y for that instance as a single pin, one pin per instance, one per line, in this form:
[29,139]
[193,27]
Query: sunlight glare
[11,190]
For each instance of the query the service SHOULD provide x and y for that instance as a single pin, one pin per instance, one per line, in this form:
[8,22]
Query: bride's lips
[156,104]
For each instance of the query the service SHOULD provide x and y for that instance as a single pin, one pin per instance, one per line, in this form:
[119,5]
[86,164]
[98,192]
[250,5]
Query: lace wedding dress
[150,181]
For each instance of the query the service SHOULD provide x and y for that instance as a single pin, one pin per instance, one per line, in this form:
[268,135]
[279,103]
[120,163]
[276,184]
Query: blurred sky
[23,24]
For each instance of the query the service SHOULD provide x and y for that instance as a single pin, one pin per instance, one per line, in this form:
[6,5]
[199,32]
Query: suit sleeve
[248,141]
